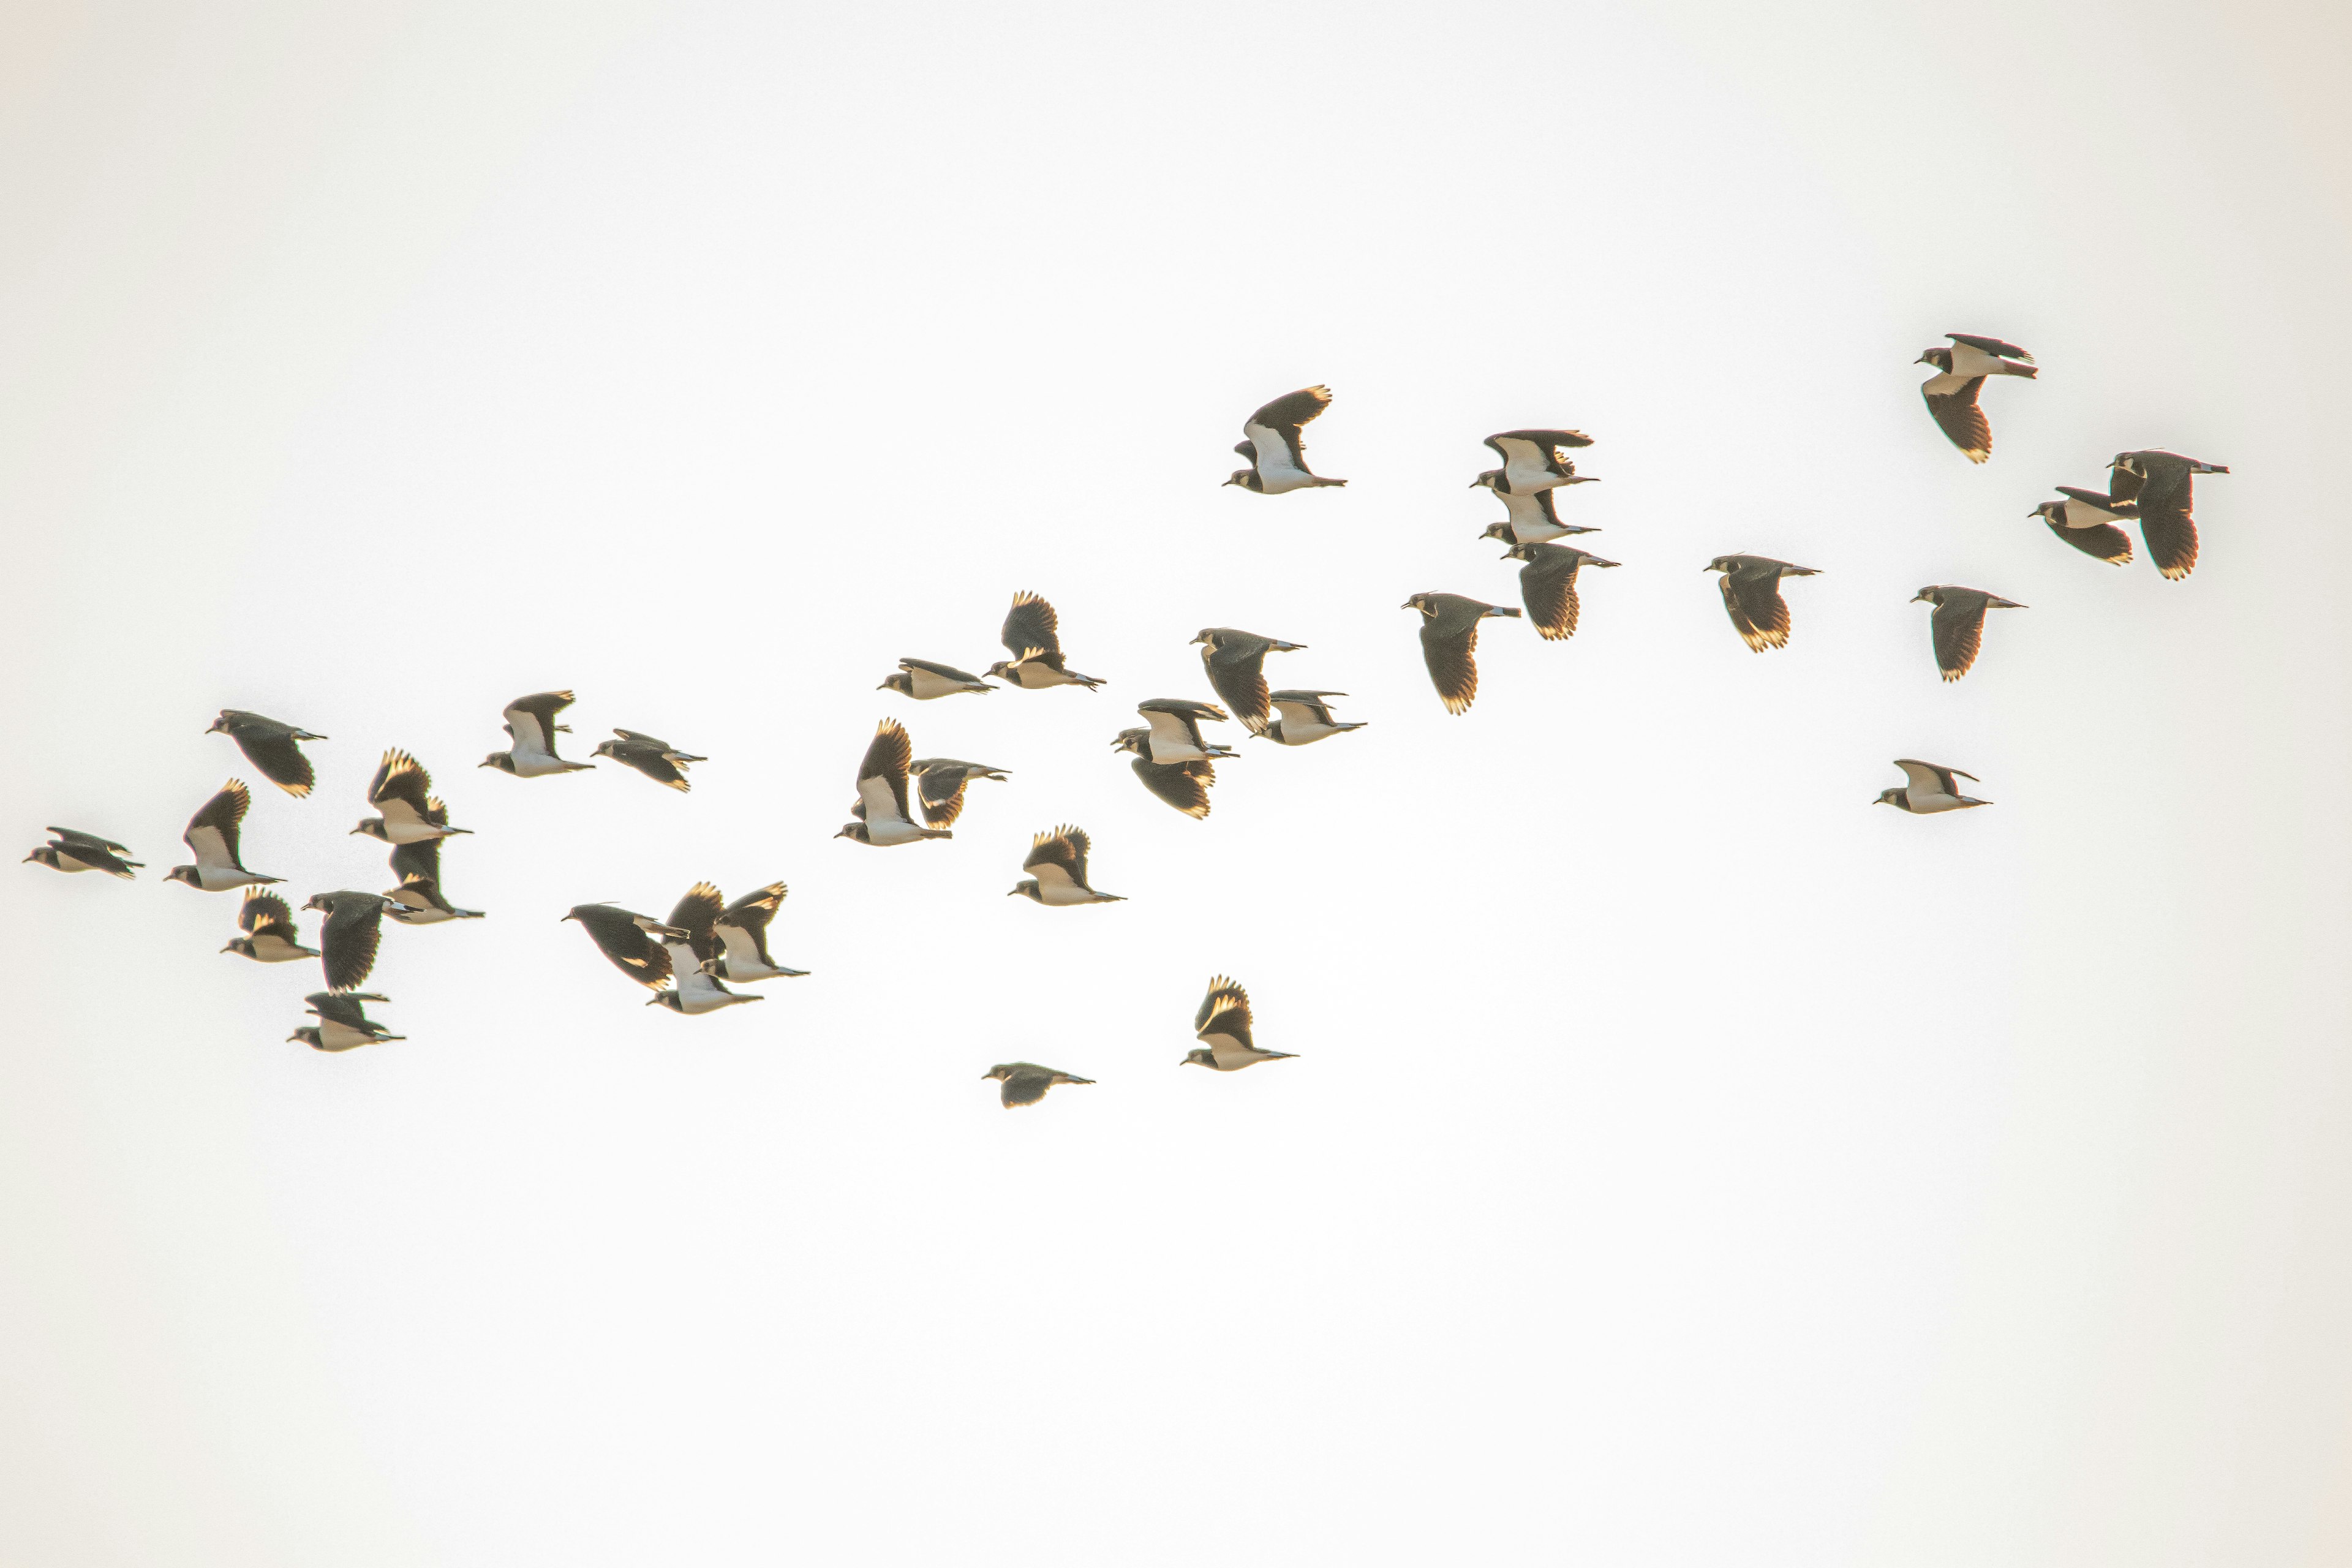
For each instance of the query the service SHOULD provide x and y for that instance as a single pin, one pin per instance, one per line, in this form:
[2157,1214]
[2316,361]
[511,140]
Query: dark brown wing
[696,914]
[1993,346]
[618,937]
[1290,410]
[1064,849]
[1547,588]
[1960,418]
[265,912]
[422,858]
[281,760]
[2165,521]
[2104,542]
[1959,628]
[1031,626]
[348,939]
[1756,608]
[941,793]
[887,758]
[401,777]
[221,815]
[1452,658]
[1228,1004]
[1026,1088]
[1238,674]
[1184,786]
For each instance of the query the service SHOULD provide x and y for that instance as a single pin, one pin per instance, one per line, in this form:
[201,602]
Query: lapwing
[1175,730]
[1547,585]
[1531,519]
[266,930]
[1025,1083]
[1960,372]
[1057,864]
[656,759]
[212,838]
[419,900]
[883,817]
[2162,483]
[2086,520]
[1931,789]
[70,849]
[343,1024]
[1533,461]
[1957,624]
[1274,450]
[1751,597]
[1235,661]
[627,939]
[348,937]
[925,681]
[271,747]
[531,730]
[402,791]
[1449,643]
[1222,1027]
[742,933]
[694,989]
[1032,633]
[940,786]
[1184,786]
[1302,718]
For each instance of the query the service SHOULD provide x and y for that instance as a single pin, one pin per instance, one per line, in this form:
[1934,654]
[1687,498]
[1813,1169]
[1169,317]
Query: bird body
[419,901]
[742,933]
[402,791]
[882,819]
[695,948]
[1449,643]
[627,939]
[531,730]
[1751,597]
[1956,627]
[926,682]
[940,786]
[70,849]
[348,936]
[1175,730]
[1032,633]
[1547,585]
[2086,520]
[1960,372]
[266,930]
[1184,786]
[1025,1083]
[655,758]
[1274,448]
[1235,661]
[212,838]
[1532,516]
[1058,860]
[343,1024]
[1930,789]
[1302,718]
[1533,461]
[270,746]
[1222,1027]
[2162,487]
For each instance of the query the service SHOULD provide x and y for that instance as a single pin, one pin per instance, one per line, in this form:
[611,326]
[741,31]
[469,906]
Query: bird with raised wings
[1184,786]
[531,730]
[1175,730]
[419,900]
[1222,1027]
[212,838]
[266,930]
[1274,448]
[1960,373]
[741,931]
[402,791]
[631,941]
[1032,633]
[343,1024]
[1533,461]
[927,683]
[1449,643]
[883,817]
[694,989]
[1531,518]
[1058,868]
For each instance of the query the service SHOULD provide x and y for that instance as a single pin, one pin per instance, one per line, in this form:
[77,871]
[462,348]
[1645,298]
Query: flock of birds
[690,959]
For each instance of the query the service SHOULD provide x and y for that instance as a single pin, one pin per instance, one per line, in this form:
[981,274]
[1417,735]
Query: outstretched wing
[1058,856]
[213,832]
[2101,541]
[1227,1008]
[1452,659]
[1957,415]
[270,747]
[941,793]
[884,769]
[1547,588]
[1756,608]
[531,720]
[1184,786]
[348,939]
[1237,672]
[402,788]
[1959,628]
[620,939]
[697,915]
[1031,626]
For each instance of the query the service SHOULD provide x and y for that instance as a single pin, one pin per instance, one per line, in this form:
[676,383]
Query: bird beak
[230,947]
[354,830]
[1406,605]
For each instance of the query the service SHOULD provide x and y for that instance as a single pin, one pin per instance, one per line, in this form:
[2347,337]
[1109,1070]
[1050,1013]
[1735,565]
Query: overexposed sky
[1685,1163]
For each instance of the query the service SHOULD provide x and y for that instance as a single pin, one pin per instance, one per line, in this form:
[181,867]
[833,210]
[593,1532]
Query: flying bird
[881,809]
[1235,661]
[531,730]
[1032,633]
[419,900]
[925,681]
[1960,372]
[1533,461]
[1930,789]
[742,934]
[1222,1027]
[212,838]
[1175,730]
[266,930]
[348,937]
[1957,624]
[1274,450]
[271,747]
[2162,483]
[1532,517]
[1058,863]
[940,786]
[402,791]
[2086,520]
[343,1024]
[693,954]
[1184,786]
[1547,585]
[70,849]
[1449,643]
[1751,597]
[1302,718]
[1025,1083]
[656,759]
[627,939]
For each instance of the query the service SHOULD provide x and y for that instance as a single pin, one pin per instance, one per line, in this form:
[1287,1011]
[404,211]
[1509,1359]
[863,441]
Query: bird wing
[1532,455]
[87,840]
[2100,498]
[346,1010]
[1227,1006]
[941,794]
[2102,541]
[1529,512]
[638,738]
[696,914]
[2172,535]
[1926,778]
[1026,1087]
[882,775]
[949,671]
[619,938]
[270,747]
[1280,420]
[1302,707]
[1959,628]
[1452,659]
[212,833]
[265,912]
[348,939]
[402,790]
[1753,597]
[1184,786]
[1059,857]
[1237,672]
[531,720]
[1992,346]
[1957,415]
[1169,728]
[422,858]
[744,927]
[649,760]
[1031,626]
[1547,588]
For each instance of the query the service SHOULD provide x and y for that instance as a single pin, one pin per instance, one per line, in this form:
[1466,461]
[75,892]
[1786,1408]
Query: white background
[1686,1162]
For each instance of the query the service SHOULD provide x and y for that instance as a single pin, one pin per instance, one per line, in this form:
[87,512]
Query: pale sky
[1686,1162]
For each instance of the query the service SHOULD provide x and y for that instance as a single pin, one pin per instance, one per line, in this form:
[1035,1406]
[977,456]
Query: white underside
[276,949]
[929,686]
[536,764]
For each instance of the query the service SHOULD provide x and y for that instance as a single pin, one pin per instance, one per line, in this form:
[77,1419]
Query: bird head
[1940,358]
[1002,669]
[321,901]
[1486,481]
[503,761]
[1246,478]
[901,682]
[44,856]
[1026,889]
[182,874]
[220,726]
[1720,563]
[602,749]
[1889,797]
[242,944]
[304,1037]
[1206,636]
[1933,595]
[855,832]
[2049,511]
[1501,530]
[1199,1056]
[1418,602]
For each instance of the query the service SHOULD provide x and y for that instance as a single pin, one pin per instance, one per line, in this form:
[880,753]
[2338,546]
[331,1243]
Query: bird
[1058,859]
[925,681]
[348,937]
[1235,661]
[1449,643]
[694,989]
[343,1024]
[1222,1027]
[1184,786]
[531,730]
[1174,730]
[627,939]
[403,791]
[881,809]
[1274,453]
[419,901]
[271,747]
[1931,789]
[70,849]
[1025,1083]
[1532,517]
[268,932]
[212,838]
[1032,633]
[656,759]
[1751,597]
[1302,718]
[1960,372]
[1532,461]
[1547,585]
[2162,484]
[742,933]
[940,786]
[2086,520]
[1957,624]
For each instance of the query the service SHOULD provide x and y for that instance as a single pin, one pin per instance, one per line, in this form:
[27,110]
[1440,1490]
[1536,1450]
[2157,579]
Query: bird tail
[937,832]
[1319,481]
[1503,610]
